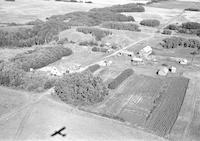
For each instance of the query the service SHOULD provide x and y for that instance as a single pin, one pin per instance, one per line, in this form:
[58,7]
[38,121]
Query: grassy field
[172,4]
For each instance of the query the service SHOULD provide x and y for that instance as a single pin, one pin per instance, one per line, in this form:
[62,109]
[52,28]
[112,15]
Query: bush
[120,78]
[81,89]
[167,32]
[174,42]
[150,22]
[11,74]
[121,26]
[40,57]
[97,33]
[93,68]
[99,49]
[131,7]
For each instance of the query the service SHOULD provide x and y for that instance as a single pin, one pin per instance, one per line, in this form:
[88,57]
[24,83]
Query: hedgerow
[192,9]
[191,25]
[93,68]
[186,28]
[172,27]
[174,42]
[35,22]
[120,78]
[99,49]
[97,33]
[150,22]
[121,26]
[40,57]
[88,43]
[167,32]
[131,7]
[91,18]
[81,89]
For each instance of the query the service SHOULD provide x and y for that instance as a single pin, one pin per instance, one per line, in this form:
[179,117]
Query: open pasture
[174,4]
[163,15]
[22,11]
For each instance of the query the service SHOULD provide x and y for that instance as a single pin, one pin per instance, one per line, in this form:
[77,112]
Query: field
[176,4]
[146,102]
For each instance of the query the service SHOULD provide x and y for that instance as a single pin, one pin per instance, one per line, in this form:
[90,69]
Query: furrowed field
[146,102]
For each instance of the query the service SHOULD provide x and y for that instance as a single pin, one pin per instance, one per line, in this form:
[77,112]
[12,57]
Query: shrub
[120,78]
[40,57]
[121,26]
[97,33]
[167,32]
[99,49]
[150,22]
[93,68]
[81,89]
[11,74]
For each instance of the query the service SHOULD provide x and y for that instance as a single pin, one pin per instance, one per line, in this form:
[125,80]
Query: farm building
[172,69]
[163,71]
[146,51]
[52,70]
[126,52]
[105,63]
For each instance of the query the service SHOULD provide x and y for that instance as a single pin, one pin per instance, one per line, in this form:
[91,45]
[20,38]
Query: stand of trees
[40,57]
[81,89]
[40,33]
[131,7]
[97,33]
[174,42]
[150,22]
[187,28]
[121,26]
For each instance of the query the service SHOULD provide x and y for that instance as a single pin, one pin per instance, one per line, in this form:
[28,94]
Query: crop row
[166,112]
